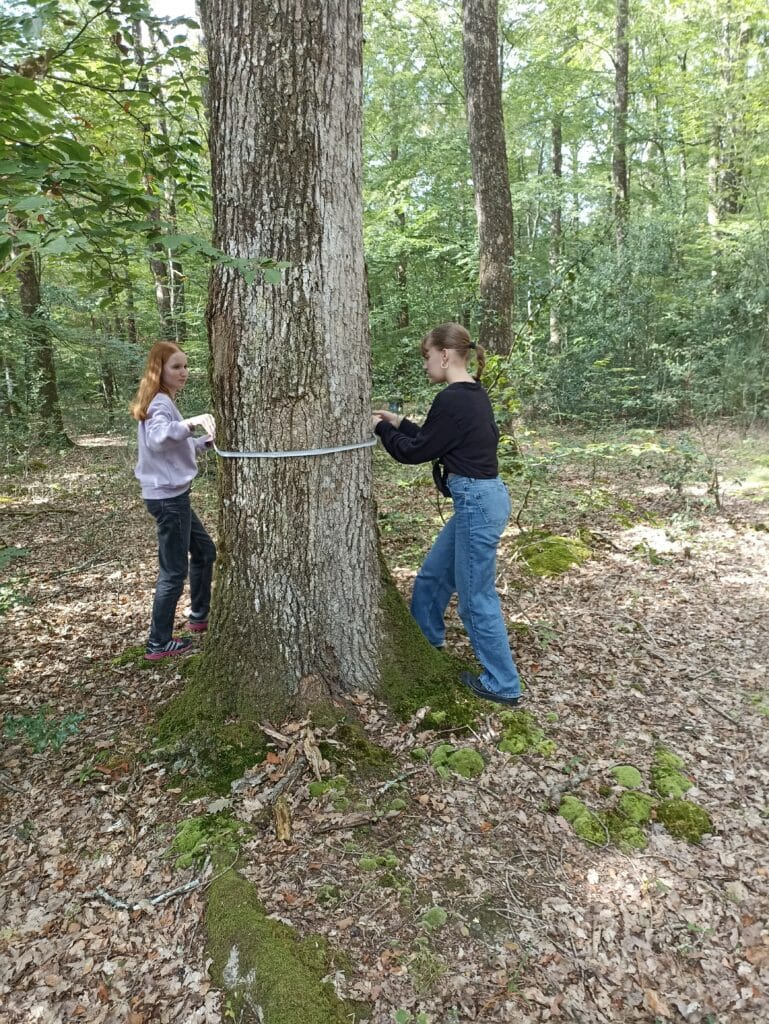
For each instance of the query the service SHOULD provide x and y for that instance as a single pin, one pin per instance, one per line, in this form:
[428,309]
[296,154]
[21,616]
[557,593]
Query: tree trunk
[619,167]
[41,382]
[491,179]
[158,261]
[295,615]
[556,234]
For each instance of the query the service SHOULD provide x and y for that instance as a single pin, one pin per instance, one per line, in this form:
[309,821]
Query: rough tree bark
[491,180]
[296,605]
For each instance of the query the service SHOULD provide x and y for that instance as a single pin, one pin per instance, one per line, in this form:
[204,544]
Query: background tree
[486,127]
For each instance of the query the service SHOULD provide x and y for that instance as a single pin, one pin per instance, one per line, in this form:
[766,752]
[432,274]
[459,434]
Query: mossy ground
[269,973]
[624,823]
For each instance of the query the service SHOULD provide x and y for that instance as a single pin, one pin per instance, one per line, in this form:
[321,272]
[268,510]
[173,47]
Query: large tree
[493,205]
[296,608]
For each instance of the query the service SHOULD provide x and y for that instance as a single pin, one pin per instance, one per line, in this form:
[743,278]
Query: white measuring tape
[293,455]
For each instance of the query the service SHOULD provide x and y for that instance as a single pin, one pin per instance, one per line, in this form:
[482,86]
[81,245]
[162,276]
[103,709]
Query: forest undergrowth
[440,896]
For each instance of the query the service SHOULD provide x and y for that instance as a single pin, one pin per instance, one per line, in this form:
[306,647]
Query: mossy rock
[627,776]
[667,778]
[262,963]
[521,734]
[684,819]
[548,554]
[636,807]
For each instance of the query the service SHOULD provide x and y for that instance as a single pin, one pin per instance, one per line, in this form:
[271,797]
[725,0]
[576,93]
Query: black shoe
[473,683]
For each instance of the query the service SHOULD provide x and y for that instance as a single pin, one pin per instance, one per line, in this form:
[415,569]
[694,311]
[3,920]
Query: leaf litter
[460,900]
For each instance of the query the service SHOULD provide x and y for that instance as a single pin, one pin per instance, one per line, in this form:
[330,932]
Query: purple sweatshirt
[167,451]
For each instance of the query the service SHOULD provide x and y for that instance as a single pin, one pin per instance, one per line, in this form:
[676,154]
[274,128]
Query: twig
[351,821]
[78,568]
[7,785]
[398,778]
[718,711]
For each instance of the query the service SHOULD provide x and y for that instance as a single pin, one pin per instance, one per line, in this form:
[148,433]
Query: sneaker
[197,625]
[473,683]
[169,649]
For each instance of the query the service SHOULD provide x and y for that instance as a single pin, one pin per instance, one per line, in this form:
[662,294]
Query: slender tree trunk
[619,164]
[491,178]
[42,382]
[158,261]
[295,617]
[556,233]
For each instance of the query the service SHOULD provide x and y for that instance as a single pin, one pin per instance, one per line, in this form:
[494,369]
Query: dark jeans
[183,546]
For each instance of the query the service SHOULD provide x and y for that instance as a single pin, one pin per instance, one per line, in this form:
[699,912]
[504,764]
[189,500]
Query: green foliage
[42,730]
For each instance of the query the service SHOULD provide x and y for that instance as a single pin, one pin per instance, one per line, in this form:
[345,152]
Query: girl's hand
[387,416]
[206,421]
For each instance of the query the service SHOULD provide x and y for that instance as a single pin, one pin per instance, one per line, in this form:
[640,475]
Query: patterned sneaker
[197,625]
[169,649]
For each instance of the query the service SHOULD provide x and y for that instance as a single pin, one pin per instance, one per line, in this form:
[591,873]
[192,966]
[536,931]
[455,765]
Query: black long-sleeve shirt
[459,430]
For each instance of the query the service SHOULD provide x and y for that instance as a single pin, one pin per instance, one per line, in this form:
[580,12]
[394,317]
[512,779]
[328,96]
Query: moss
[413,673]
[134,656]
[627,776]
[267,972]
[586,824]
[319,787]
[521,733]
[419,754]
[441,754]
[397,804]
[547,554]
[590,828]
[368,863]
[684,819]
[571,808]
[434,918]
[631,837]
[467,763]
[200,837]
[667,778]
[636,807]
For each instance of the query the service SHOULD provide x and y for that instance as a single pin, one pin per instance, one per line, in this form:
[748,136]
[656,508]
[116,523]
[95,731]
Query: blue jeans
[183,546]
[464,559]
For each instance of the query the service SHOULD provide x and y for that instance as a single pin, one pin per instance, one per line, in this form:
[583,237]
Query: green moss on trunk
[267,972]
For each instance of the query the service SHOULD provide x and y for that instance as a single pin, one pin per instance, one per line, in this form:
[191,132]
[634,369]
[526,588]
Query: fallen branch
[718,711]
[180,890]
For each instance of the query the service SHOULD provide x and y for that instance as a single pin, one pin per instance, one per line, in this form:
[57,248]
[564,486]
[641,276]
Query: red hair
[151,383]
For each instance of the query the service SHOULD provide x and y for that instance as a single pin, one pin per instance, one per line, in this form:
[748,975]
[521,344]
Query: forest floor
[469,899]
